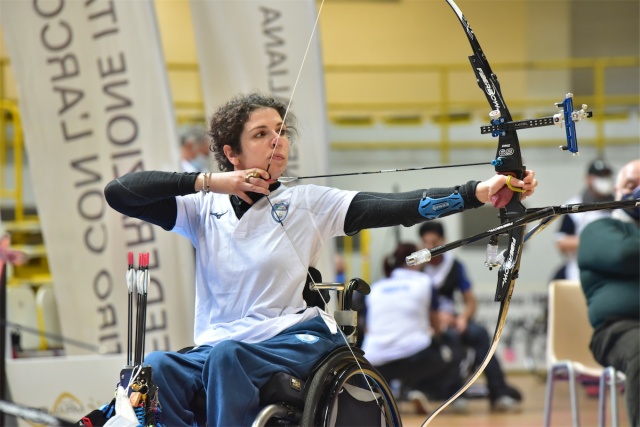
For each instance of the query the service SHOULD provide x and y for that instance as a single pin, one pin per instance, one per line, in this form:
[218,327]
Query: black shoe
[505,404]
[507,401]
[513,393]
[420,402]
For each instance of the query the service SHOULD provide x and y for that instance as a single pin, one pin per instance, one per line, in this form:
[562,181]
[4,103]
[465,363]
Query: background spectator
[194,150]
[609,260]
[599,188]
[450,278]
[401,332]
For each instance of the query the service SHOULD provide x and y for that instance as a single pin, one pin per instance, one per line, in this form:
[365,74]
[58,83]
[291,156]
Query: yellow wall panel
[420,31]
[176,31]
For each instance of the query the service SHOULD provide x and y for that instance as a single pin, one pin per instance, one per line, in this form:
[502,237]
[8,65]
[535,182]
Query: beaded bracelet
[205,183]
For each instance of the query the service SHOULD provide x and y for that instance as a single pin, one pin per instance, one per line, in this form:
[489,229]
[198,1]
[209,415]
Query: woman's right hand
[238,183]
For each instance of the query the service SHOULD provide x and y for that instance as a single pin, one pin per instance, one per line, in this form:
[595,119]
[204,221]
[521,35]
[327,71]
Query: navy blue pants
[428,371]
[232,373]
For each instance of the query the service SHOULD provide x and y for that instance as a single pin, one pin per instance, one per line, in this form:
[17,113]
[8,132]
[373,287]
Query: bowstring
[295,85]
[344,337]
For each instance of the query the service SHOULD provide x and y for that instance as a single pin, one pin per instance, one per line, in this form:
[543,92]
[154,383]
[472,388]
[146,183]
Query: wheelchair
[344,389]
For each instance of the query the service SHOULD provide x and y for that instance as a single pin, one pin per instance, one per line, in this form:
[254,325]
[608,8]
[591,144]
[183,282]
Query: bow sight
[566,117]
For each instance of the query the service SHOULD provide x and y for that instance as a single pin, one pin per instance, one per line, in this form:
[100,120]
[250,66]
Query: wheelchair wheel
[331,389]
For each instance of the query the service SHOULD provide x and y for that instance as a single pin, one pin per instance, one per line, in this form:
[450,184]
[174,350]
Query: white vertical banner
[95,105]
[250,45]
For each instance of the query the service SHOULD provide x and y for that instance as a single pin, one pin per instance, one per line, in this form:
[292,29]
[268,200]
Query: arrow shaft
[293,178]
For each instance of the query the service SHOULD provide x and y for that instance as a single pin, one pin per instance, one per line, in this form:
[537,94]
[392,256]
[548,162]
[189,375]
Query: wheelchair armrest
[356,284]
[346,301]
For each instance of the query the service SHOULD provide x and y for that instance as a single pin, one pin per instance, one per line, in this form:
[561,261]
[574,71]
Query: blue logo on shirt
[280,211]
[307,338]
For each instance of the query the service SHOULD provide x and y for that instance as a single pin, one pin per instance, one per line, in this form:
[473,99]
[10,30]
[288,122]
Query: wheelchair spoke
[333,385]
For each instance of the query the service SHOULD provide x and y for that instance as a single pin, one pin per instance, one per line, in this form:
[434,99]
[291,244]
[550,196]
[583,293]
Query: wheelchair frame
[346,365]
[289,401]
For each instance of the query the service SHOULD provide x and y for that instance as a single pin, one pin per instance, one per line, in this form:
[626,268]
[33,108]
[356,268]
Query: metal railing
[443,107]
[15,193]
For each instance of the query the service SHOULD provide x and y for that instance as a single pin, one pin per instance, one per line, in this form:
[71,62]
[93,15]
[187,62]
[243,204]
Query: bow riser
[508,272]
[508,162]
[508,158]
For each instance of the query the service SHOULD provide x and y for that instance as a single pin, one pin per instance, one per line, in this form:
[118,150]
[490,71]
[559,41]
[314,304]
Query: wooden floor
[532,411]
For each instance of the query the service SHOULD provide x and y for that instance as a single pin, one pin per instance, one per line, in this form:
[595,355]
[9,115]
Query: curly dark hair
[227,123]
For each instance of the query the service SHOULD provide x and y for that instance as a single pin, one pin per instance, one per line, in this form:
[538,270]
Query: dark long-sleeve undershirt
[374,210]
[150,196]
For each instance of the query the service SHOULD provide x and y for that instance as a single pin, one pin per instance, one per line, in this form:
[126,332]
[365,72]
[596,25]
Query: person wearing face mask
[450,278]
[609,261]
[194,150]
[599,188]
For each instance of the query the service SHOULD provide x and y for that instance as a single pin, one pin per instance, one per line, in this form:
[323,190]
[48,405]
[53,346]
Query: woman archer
[255,239]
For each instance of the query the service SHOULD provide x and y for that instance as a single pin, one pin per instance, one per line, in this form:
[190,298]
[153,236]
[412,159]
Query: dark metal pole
[396,229]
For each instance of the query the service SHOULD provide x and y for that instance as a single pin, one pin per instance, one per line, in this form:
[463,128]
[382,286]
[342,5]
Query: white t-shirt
[580,221]
[398,316]
[250,272]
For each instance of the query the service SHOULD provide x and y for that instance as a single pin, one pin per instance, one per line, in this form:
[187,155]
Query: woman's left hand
[496,191]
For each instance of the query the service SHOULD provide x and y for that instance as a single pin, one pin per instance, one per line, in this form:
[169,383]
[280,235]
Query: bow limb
[508,161]
[502,317]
